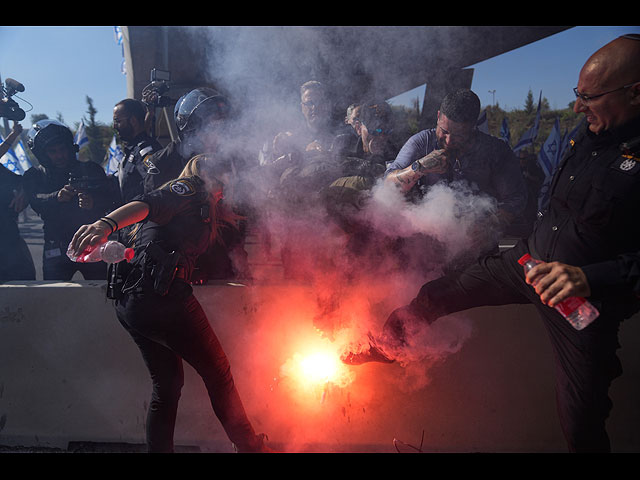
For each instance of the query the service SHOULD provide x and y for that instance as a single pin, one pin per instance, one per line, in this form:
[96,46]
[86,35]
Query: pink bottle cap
[129,253]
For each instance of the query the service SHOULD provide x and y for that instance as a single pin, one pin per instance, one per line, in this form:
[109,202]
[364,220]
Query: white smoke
[251,65]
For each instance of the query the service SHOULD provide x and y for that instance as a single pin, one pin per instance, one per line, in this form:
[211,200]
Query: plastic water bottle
[577,310]
[109,252]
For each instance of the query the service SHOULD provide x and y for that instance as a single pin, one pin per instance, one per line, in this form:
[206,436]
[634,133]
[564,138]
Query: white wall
[69,372]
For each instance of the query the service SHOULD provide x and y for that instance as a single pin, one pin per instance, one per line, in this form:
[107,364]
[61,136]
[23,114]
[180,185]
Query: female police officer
[157,306]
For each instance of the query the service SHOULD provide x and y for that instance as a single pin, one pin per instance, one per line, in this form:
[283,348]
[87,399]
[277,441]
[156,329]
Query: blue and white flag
[549,155]
[12,162]
[114,158]
[21,155]
[505,134]
[81,138]
[530,135]
[117,32]
[483,124]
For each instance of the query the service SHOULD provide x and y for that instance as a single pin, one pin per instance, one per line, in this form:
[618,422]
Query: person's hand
[66,193]
[85,201]
[16,130]
[90,235]
[19,201]
[555,282]
[314,146]
[435,162]
[282,143]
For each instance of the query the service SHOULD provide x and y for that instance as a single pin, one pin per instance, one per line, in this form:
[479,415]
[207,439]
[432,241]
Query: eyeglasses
[588,98]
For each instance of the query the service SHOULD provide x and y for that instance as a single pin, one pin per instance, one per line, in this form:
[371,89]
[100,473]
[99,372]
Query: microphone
[14,85]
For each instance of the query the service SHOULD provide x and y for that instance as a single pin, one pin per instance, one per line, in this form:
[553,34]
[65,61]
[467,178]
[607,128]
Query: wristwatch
[416,166]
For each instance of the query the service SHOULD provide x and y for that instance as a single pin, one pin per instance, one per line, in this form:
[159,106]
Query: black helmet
[198,106]
[48,132]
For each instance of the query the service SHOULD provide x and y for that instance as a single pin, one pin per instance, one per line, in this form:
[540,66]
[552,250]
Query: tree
[529,105]
[99,136]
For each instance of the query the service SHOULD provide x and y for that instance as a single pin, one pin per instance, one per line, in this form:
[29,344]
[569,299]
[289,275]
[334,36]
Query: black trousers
[586,361]
[168,329]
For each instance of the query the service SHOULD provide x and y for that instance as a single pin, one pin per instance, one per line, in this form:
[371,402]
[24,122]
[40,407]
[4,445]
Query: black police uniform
[62,219]
[166,320]
[136,165]
[15,259]
[166,164]
[589,223]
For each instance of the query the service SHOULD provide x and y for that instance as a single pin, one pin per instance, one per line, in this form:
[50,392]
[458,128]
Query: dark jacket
[136,165]
[591,219]
[61,220]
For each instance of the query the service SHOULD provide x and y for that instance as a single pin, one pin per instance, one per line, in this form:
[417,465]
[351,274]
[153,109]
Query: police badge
[182,187]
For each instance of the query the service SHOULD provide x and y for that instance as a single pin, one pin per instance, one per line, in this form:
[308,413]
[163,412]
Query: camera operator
[66,193]
[16,262]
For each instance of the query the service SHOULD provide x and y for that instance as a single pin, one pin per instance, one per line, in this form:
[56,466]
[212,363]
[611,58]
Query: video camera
[8,107]
[85,183]
[85,179]
[159,86]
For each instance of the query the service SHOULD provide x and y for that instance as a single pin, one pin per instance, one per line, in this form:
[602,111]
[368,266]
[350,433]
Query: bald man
[589,241]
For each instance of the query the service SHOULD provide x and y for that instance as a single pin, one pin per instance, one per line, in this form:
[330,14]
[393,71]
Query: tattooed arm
[406,178]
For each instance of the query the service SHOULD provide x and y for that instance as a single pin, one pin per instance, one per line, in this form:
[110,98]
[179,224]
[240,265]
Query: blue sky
[60,66]
[550,65]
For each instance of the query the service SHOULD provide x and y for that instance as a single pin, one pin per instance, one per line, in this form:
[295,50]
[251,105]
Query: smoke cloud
[355,281]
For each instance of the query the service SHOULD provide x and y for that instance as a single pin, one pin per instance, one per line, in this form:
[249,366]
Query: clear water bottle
[109,252]
[577,310]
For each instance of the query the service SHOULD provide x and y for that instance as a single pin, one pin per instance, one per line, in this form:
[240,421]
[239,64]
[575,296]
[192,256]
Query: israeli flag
[530,135]
[117,32]
[483,124]
[505,134]
[114,158]
[10,161]
[21,155]
[549,155]
[81,138]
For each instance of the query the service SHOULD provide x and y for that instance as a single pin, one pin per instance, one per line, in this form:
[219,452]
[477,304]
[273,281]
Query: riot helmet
[199,106]
[46,133]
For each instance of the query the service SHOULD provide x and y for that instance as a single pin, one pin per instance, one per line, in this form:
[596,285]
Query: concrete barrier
[70,373]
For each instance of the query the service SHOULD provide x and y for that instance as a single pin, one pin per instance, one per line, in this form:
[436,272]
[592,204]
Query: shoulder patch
[146,150]
[627,164]
[151,168]
[182,187]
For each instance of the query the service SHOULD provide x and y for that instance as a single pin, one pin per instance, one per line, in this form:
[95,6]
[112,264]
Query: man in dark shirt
[588,241]
[129,122]
[455,150]
[66,193]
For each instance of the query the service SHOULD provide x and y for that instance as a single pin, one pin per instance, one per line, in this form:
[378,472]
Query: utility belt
[152,270]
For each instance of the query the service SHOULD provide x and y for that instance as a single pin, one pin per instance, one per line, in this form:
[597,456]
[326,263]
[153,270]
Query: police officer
[66,193]
[200,116]
[156,304]
[16,262]
[129,123]
[587,238]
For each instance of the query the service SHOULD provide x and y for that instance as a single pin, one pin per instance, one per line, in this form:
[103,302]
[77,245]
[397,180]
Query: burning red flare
[317,369]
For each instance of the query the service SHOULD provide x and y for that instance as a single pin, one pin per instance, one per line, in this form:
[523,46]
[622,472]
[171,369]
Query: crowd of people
[175,205]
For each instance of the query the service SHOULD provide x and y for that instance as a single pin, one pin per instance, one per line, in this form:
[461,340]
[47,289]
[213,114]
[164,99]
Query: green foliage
[99,136]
